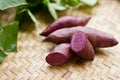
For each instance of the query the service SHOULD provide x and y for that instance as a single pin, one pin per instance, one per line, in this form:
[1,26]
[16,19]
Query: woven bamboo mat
[29,62]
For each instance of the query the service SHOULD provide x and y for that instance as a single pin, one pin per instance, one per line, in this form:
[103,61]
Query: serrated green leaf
[4,4]
[33,17]
[58,6]
[52,11]
[8,37]
[2,55]
[89,2]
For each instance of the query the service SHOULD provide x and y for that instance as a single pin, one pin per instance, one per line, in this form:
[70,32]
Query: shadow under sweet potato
[100,53]
[76,61]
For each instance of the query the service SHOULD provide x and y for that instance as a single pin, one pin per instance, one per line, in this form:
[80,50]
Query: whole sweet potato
[64,22]
[97,38]
[81,46]
[59,55]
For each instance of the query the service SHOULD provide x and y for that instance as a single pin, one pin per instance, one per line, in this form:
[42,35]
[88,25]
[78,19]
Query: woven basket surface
[29,62]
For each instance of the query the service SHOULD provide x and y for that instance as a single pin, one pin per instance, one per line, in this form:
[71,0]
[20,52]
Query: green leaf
[45,2]
[2,56]
[73,2]
[58,6]
[33,17]
[5,4]
[63,2]
[53,1]
[21,14]
[33,3]
[52,11]
[52,7]
[89,2]
[24,13]
[8,37]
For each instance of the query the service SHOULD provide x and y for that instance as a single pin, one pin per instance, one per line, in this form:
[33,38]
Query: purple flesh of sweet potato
[81,46]
[59,55]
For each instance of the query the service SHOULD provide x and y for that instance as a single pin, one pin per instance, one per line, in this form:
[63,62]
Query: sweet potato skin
[97,38]
[59,55]
[81,46]
[64,22]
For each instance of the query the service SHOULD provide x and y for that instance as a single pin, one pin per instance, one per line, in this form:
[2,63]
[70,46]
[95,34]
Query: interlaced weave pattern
[29,62]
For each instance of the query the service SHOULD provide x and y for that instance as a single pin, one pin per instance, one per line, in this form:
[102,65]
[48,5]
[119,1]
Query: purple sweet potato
[97,38]
[64,22]
[59,55]
[81,46]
